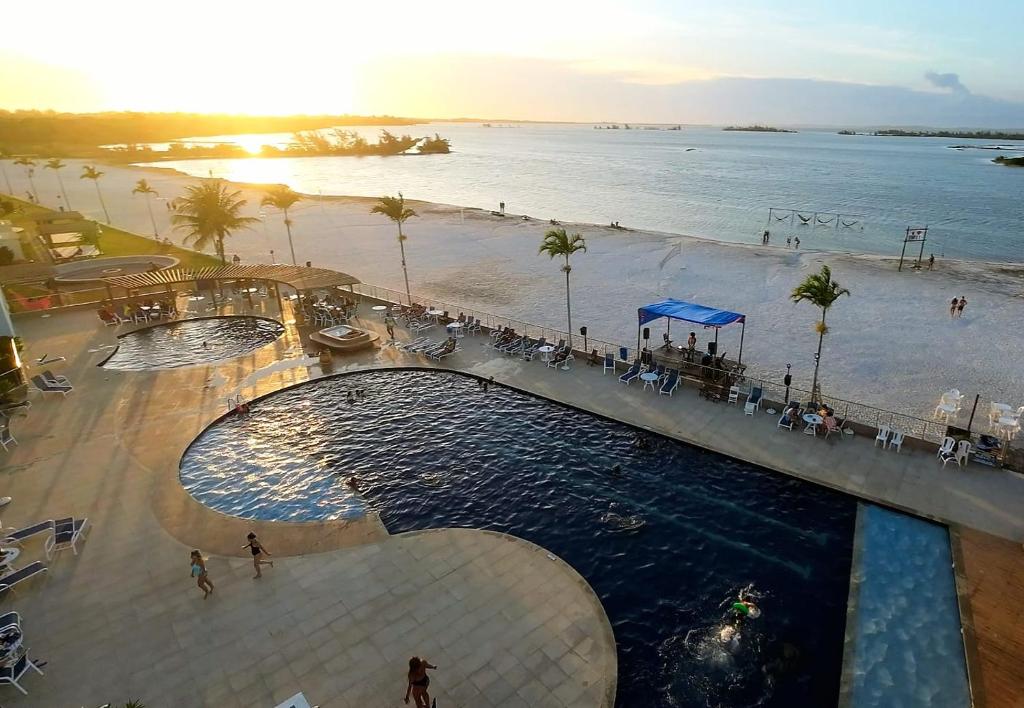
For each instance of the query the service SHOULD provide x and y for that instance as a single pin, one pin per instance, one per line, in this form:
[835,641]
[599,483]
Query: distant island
[969,134]
[757,129]
[847,132]
[83,134]
[1009,161]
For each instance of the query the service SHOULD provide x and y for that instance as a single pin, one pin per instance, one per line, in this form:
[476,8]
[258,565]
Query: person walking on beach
[200,574]
[931,261]
[389,325]
[960,307]
[952,307]
[419,682]
[796,242]
[258,550]
[789,241]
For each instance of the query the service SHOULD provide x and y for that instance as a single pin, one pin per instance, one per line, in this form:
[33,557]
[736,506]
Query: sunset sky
[556,59]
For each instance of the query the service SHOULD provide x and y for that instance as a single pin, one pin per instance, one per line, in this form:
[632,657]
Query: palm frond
[280,197]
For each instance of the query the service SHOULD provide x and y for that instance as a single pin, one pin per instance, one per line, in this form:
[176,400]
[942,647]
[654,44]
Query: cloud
[947,81]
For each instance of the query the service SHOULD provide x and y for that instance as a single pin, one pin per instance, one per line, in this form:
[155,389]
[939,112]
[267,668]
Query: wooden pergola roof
[297,277]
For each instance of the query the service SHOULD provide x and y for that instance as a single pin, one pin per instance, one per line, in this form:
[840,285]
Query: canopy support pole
[743,329]
[638,325]
[717,353]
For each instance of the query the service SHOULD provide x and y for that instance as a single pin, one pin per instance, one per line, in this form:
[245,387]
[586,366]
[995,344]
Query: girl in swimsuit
[199,573]
[419,682]
[257,549]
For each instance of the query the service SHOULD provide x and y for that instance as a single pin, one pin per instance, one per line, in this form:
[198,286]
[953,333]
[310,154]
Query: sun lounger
[50,387]
[68,532]
[6,438]
[21,535]
[632,373]
[12,672]
[671,382]
[54,378]
[442,354]
[20,575]
[753,403]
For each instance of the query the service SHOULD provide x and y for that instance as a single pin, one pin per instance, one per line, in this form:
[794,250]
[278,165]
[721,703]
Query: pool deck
[347,603]
[990,582]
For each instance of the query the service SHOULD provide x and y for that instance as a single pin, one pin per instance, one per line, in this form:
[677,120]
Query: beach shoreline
[891,344]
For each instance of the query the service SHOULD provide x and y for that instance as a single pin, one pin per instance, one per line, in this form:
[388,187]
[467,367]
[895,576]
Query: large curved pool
[667,542]
[188,342]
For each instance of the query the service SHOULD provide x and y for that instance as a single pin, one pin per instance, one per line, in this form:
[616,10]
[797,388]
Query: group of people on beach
[956,307]
[766,238]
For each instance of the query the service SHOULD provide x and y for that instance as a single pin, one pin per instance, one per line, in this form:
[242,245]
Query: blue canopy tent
[691,312]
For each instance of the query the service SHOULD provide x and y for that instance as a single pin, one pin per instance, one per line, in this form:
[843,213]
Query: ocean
[859,193]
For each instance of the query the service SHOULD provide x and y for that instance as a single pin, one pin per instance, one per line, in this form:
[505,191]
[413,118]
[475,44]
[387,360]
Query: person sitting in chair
[831,425]
[668,340]
[791,414]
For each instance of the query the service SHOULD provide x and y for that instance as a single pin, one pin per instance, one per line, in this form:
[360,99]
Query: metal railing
[846,410]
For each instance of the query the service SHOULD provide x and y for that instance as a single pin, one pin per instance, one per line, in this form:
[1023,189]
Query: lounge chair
[21,574]
[785,421]
[12,672]
[50,387]
[753,403]
[55,379]
[609,363]
[19,536]
[531,351]
[632,373]
[670,384]
[560,357]
[446,352]
[6,439]
[68,532]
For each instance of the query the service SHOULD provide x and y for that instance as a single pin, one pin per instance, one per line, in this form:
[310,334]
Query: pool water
[667,543]
[908,650]
[188,342]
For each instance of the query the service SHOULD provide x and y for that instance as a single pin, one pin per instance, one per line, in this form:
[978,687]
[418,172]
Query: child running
[257,549]
[200,574]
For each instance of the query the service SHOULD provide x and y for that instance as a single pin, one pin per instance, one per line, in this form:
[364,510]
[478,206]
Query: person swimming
[616,470]
[746,608]
[352,483]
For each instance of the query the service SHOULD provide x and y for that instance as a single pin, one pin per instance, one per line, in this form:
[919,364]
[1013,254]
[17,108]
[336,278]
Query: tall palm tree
[90,172]
[30,169]
[821,291]
[208,213]
[5,155]
[557,243]
[283,198]
[142,187]
[394,208]
[56,165]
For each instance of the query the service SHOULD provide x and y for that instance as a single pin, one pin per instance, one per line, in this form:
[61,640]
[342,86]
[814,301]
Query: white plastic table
[435,313]
[813,420]
[456,328]
[380,310]
[649,378]
[545,352]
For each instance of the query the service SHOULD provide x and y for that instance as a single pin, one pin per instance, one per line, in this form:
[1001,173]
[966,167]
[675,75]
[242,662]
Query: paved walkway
[337,618]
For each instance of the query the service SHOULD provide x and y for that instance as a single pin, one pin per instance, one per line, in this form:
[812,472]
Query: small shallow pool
[188,342]
[667,542]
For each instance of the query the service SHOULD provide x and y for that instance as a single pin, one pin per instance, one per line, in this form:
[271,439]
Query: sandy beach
[891,344]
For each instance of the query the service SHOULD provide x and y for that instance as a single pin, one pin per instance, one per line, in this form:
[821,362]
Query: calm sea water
[698,181]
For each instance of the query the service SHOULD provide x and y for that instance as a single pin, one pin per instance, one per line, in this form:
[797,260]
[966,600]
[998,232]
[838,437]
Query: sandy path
[892,344]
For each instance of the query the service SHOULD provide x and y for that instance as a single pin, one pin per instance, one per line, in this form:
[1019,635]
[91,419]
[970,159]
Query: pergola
[691,312]
[297,277]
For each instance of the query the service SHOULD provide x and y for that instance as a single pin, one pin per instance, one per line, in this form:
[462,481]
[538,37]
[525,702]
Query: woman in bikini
[199,573]
[257,549]
[419,682]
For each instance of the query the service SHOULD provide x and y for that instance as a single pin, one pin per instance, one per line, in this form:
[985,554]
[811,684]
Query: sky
[643,60]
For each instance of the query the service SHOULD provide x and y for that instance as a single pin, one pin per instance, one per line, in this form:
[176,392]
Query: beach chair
[753,403]
[55,379]
[68,532]
[19,536]
[49,387]
[883,435]
[6,438]
[946,448]
[609,363]
[734,394]
[785,421]
[896,441]
[12,672]
[963,452]
[670,384]
[632,373]
[20,575]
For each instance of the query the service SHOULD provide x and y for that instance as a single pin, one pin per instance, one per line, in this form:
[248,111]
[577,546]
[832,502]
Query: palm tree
[394,208]
[5,155]
[90,172]
[283,198]
[821,291]
[30,169]
[557,243]
[208,213]
[56,165]
[142,187]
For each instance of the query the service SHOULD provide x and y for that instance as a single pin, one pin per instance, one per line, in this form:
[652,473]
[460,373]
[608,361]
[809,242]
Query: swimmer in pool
[352,483]
[616,470]
[729,636]
[746,608]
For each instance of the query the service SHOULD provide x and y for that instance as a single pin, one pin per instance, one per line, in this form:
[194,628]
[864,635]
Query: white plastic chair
[896,441]
[947,446]
[963,451]
[883,435]
[734,394]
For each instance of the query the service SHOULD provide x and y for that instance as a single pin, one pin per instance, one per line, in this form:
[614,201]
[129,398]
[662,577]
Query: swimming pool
[667,543]
[187,342]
